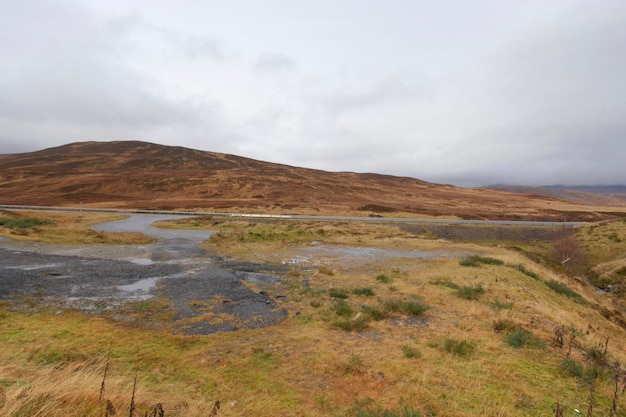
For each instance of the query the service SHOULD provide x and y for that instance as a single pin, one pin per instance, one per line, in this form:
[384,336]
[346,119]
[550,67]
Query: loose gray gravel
[108,278]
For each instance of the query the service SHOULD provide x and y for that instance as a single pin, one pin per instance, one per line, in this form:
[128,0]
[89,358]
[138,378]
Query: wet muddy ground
[199,292]
[106,278]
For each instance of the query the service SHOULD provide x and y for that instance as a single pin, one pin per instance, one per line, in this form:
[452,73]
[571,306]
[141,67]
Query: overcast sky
[452,91]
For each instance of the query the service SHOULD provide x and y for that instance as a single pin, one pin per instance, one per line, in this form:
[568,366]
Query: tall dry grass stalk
[215,409]
[131,410]
[104,377]
[558,410]
[72,391]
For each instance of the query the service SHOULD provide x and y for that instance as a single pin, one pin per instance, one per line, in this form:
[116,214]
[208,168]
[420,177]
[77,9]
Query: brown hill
[595,195]
[127,174]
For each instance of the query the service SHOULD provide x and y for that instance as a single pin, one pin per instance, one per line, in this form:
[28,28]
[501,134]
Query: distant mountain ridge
[586,194]
[594,189]
[132,174]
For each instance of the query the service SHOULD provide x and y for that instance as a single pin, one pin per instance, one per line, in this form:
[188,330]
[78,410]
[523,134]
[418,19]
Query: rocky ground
[201,292]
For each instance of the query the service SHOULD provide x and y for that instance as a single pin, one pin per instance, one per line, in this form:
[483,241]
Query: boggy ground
[174,282]
[170,283]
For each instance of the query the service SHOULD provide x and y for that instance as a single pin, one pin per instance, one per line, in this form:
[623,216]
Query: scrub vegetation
[498,327]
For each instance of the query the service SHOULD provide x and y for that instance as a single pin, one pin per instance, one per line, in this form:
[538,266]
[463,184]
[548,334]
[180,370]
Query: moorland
[130,174]
[490,321]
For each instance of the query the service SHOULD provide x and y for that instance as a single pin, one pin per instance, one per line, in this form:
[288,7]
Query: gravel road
[201,293]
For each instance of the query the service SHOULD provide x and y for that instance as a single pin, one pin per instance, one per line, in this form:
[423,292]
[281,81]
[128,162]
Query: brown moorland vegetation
[127,174]
[501,327]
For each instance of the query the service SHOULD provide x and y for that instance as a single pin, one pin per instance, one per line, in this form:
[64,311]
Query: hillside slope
[130,174]
[597,195]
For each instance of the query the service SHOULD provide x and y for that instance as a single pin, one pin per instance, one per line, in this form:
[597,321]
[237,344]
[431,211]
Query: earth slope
[131,174]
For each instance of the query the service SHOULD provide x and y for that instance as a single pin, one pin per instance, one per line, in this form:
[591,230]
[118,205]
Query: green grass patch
[462,348]
[384,279]
[23,223]
[354,365]
[475,260]
[410,352]
[262,356]
[338,293]
[522,268]
[521,338]
[470,293]
[375,313]
[13,382]
[447,283]
[499,305]
[367,291]
[563,289]
[571,367]
[341,308]
[357,324]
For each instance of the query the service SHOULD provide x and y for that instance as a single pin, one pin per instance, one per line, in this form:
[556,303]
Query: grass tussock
[375,313]
[409,307]
[462,348]
[498,305]
[384,279]
[366,291]
[338,293]
[476,260]
[470,292]
[410,352]
[522,338]
[504,325]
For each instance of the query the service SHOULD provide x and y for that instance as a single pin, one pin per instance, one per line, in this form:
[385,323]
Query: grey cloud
[75,84]
[537,112]
[548,106]
[386,91]
[199,47]
[272,62]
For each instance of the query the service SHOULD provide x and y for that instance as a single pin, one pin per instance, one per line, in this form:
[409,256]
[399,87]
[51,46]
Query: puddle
[33,267]
[142,261]
[314,253]
[143,285]
[143,223]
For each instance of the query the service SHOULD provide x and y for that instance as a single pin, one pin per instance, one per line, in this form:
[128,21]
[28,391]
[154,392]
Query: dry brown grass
[69,227]
[307,366]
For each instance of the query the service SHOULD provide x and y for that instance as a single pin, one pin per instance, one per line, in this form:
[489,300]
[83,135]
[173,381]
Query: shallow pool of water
[143,285]
[317,253]
[143,223]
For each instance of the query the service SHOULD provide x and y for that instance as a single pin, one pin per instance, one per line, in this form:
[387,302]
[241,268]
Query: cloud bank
[464,93]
